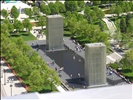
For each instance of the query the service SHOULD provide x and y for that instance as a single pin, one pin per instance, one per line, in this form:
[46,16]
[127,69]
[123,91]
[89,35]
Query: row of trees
[59,7]
[19,26]
[82,30]
[27,63]
[122,7]
[93,15]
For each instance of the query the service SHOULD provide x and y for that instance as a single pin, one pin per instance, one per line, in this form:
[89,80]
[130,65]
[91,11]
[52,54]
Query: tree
[99,13]
[27,24]
[130,26]
[4,29]
[128,59]
[123,27]
[61,7]
[81,4]
[4,13]
[14,12]
[36,81]
[29,12]
[87,14]
[45,9]
[71,6]
[128,17]
[53,78]
[54,8]
[18,25]
[9,24]
[36,10]
[127,7]
[42,21]
[96,2]
[101,25]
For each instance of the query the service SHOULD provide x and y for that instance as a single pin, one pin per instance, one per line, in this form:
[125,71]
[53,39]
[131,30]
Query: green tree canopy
[36,81]
[18,25]
[29,12]
[14,12]
[61,7]
[36,10]
[45,9]
[27,24]
[54,8]
[123,27]
[42,21]
[71,6]
[81,4]
[4,13]
[9,24]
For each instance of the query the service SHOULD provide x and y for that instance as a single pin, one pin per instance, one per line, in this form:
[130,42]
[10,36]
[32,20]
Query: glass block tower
[54,32]
[95,64]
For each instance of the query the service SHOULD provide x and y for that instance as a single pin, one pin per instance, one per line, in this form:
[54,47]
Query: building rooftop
[54,16]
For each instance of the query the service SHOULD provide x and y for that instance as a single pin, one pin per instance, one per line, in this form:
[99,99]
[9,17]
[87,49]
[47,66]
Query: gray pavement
[6,89]
[64,58]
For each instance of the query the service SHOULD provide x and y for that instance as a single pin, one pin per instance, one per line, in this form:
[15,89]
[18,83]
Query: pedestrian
[32,43]
[110,73]
[52,49]
[53,62]
[71,75]
[73,57]
[55,68]
[78,74]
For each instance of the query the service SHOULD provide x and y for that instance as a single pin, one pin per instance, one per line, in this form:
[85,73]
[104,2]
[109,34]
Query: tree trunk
[51,86]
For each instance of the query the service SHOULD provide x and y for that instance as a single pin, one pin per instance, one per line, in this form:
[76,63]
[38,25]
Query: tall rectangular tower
[95,64]
[54,32]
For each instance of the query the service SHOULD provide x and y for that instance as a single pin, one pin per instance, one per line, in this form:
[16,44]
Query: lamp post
[11,85]
[11,89]
[4,77]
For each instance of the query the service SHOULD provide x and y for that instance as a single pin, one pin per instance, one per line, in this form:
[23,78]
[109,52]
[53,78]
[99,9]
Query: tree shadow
[78,81]
[114,82]
[45,91]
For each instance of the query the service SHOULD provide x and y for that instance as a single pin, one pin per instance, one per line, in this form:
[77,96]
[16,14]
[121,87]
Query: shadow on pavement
[8,71]
[13,77]
[114,82]
[18,85]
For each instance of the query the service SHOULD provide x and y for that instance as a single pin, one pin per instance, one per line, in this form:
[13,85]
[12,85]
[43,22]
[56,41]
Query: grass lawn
[26,36]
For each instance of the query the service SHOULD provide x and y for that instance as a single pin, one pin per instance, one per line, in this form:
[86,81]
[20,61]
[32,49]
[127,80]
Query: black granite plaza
[72,63]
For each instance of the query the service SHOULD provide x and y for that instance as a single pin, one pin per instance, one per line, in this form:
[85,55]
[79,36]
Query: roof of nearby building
[112,92]
[18,4]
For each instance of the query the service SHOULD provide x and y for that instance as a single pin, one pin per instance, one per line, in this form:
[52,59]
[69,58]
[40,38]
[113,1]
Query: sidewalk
[36,33]
[110,25]
[17,87]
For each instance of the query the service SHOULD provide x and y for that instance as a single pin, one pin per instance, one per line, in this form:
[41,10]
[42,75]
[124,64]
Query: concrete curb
[24,85]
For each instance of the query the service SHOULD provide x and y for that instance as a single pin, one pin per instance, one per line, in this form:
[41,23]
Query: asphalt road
[65,58]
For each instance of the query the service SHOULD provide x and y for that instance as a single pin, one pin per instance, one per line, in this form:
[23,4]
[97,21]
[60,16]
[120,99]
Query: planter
[14,72]
[19,79]
[9,65]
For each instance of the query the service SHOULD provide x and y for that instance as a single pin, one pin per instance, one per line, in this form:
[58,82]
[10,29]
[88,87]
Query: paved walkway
[6,90]
[110,25]
[35,33]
